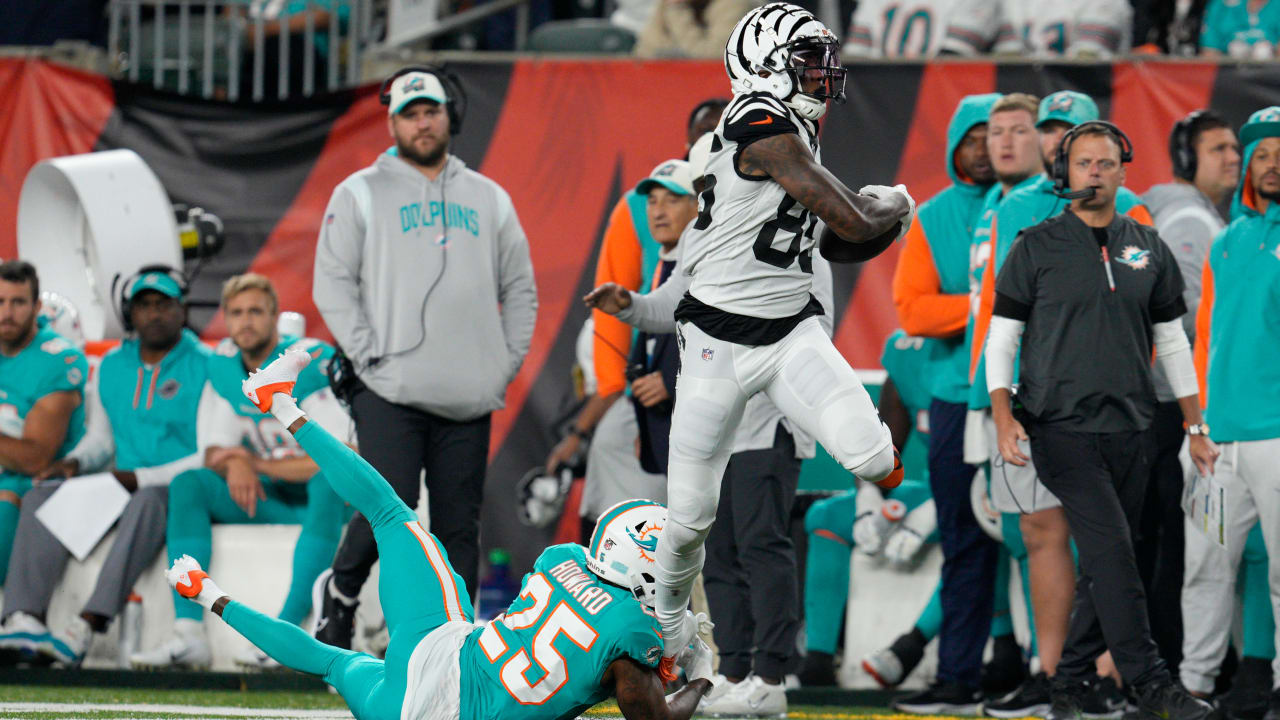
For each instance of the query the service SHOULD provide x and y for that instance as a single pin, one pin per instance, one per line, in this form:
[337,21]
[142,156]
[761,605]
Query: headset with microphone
[1060,159]
[122,289]
[455,108]
[1181,141]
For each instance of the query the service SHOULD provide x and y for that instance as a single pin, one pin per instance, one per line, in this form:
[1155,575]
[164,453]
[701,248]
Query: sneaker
[720,686]
[819,670]
[1250,691]
[18,637]
[186,648]
[335,620]
[1273,707]
[941,699]
[1006,671]
[1168,700]
[69,648]
[252,659]
[1031,699]
[1102,700]
[890,666]
[751,698]
[1064,701]
[277,377]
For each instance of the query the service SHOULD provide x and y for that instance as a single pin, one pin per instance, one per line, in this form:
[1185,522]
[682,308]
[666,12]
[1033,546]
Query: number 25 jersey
[750,250]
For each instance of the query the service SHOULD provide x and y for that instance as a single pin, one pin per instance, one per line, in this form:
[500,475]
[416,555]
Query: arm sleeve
[972,27]
[516,290]
[1101,27]
[1002,349]
[336,281]
[656,311]
[1166,297]
[325,409]
[216,422]
[923,309]
[95,449]
[620,262]
[1173,352]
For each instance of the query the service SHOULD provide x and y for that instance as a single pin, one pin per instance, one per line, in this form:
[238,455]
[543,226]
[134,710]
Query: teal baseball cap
[1262,124]
[157,281]
[672,174]
[1067,106]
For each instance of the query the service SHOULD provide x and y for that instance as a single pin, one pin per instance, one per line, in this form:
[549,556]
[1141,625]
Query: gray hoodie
[437,321]
[1187,222]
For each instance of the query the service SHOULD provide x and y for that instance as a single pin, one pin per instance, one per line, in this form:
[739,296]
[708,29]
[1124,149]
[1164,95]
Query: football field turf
[62,703]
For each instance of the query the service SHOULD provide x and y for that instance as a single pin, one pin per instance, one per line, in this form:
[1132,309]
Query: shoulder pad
[752,117]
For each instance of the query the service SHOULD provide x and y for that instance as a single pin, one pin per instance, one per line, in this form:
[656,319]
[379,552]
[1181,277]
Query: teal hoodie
[942,232]
[1238,325]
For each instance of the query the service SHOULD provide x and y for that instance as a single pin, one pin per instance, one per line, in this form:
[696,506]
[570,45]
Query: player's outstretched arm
[855,218]
[639,693]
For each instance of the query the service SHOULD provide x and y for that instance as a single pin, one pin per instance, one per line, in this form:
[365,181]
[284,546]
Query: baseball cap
[157,281]
[671,174]
[1067,106]
[415,86]
[1264,123]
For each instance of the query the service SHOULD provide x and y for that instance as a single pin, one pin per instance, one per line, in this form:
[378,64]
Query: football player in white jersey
[748,322]
[898,29]
[1041,28]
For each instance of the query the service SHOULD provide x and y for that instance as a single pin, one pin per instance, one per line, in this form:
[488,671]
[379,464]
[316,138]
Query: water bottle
[130,628]
[496,589]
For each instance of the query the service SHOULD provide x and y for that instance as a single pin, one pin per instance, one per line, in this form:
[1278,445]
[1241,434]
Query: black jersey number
[706,198]
[800,226]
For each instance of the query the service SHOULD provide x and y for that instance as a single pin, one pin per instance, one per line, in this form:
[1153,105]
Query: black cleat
[941,699]
[1006,671]
[1064,700]
[1031,699]
[1102,700]
[335,621]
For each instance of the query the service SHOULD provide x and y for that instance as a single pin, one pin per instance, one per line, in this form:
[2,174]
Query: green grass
[88,702]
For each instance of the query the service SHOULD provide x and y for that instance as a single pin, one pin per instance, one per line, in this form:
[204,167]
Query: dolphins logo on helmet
[775,47]
[622,547]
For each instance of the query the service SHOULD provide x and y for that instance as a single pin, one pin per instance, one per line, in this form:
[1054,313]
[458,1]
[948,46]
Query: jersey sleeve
[757,117]
[641,641]
[1016,280]
[1166,297]
[66,370]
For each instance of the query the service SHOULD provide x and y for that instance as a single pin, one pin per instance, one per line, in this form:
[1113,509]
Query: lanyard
[1106,264]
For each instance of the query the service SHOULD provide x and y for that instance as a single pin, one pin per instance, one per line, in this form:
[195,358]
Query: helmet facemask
[812,61]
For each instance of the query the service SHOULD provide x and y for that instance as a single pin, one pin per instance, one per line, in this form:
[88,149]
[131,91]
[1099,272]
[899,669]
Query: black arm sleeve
[1006,306]
[1166,302]
[1016,280]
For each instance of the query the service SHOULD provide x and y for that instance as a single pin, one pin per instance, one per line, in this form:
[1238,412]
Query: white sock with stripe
[285,409]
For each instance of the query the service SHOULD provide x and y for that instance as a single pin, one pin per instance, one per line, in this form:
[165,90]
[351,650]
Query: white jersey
[750,250]
[898,28]
[1040,28]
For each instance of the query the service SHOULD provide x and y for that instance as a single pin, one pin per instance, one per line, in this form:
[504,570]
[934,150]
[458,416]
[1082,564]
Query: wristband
[1200,429]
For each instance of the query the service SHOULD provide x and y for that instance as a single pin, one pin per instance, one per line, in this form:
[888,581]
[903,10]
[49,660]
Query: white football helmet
[624,544]
[62,317]
[789,44]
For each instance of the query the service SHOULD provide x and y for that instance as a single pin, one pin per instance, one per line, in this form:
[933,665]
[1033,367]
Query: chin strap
[807,106]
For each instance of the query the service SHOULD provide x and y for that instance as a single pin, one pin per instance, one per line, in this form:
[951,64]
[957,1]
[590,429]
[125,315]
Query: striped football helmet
[788,45]
[624,545]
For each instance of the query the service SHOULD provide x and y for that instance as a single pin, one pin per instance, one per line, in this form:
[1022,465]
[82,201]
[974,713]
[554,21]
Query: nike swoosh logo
[768,120]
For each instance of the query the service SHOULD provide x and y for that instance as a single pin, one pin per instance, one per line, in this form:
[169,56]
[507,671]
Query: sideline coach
[1094,291]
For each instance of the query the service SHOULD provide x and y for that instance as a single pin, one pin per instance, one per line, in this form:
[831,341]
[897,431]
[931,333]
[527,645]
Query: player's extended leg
[702,429]
[322,524]
[12,488]
[816,389]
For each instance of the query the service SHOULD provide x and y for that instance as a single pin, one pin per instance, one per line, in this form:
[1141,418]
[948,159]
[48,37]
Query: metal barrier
[210,39]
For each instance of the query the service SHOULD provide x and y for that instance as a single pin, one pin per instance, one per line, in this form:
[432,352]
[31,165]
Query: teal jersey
[153,408]
[906,360]
[546,656]
[48,364]
[261,433]
[1030,203]
[1231,29]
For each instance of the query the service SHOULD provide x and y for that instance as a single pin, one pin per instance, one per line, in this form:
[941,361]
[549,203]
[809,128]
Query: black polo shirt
[1087,348]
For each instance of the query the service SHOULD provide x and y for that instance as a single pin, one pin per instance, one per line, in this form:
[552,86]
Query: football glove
[902,546]
[882,191]
[696,658]
[540,497]
[868,532]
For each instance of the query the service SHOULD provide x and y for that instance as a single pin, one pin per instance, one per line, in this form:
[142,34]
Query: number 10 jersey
[750,250]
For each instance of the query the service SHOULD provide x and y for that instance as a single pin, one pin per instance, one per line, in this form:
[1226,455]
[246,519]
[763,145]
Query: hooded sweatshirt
[1187,222]
[1237,349]
[1031,203]
[427,285]
[931,284]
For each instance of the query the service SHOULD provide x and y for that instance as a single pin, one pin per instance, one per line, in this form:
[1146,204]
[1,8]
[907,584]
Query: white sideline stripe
[237,712]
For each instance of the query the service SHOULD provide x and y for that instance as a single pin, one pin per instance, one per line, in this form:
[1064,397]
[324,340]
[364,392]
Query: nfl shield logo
[707,353]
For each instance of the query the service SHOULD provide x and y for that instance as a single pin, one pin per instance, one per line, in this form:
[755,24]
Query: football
[836,250]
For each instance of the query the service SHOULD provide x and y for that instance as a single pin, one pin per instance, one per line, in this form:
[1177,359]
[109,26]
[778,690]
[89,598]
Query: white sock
[285,409]
[209,594]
